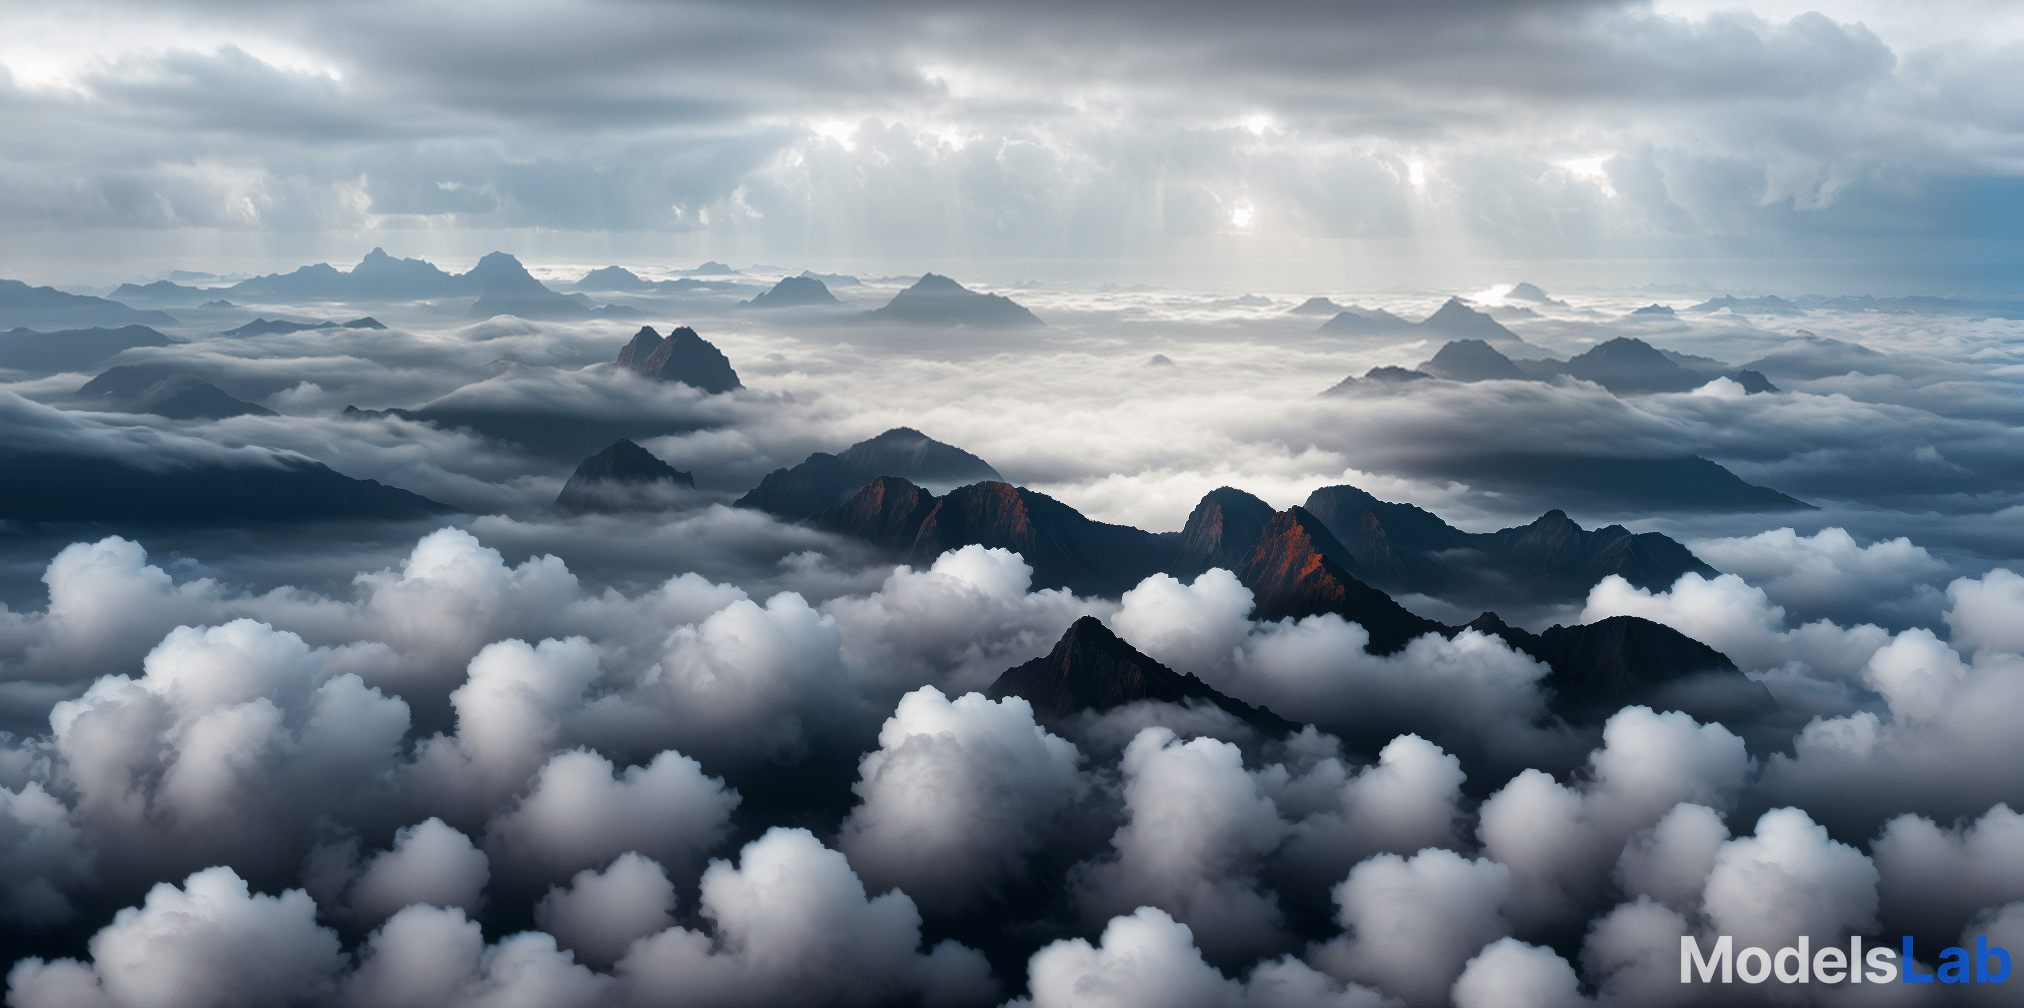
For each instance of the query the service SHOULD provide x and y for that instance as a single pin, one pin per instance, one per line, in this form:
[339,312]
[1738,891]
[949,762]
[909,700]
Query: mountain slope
[1092,669]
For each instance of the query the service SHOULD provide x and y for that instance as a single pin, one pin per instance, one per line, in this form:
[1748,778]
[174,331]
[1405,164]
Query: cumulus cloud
[793,924]
[41,856]
[580,813]
[1511,974]
[1413,923]
[1148,959]
[1552,836]
[210,941]
[427,955]
[1827,574]
[1409,800]
[1198,825]
[430,863]
[600,913]
[956,796]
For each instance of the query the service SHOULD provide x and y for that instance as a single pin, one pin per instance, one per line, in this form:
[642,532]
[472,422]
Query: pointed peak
[936,281]
[648,332]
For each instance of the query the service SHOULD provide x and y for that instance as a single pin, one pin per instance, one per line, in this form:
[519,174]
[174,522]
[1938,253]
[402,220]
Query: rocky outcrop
[1092,669]
[1299,569]
[682,357]
[825,480]
[1599,668]
[1221,532]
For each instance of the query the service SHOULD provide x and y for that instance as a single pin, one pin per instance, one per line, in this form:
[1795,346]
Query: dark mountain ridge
[824,480]
[622,477]
[1091,668]
[71,349]
[682,357]
[25,307]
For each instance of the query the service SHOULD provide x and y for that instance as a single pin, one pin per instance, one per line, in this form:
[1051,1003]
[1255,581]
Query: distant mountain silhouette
[1380,376]
[825,480]
[1768,305]
[1810,357]
[1656,309]
[1092,669]
[506,288]
[1298,568]
[622,477]
[264,327]
[1625,365]
[161,292]
[1458,321]
[1753,382]
[381,277]
[793,292]
[163,391]
[25,307]
[53,487]
[1686,481]
[683,357]
[832,279]
[614,278]
[1359,321]
[711,268]
[1599,668]
[1065,549]
[938,300]
[1529,292]
[1317,306]
[1471,360]
[71,349]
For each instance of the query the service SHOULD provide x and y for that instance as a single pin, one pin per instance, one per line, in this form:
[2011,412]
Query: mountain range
[71,349]
[25,307]
[824,480]
[1454,320]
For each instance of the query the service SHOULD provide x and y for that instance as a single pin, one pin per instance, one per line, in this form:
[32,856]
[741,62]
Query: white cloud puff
[581,814]
[1148,960]
[1414,922]
[430,863]
[792,924]
[207,944]
[957,794]
[600,913]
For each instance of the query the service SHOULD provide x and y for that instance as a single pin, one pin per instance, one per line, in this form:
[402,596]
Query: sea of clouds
[703,757]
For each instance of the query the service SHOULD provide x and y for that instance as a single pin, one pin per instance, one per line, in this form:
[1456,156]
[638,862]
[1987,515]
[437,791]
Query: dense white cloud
[1199,823]
[1553,837]
[602,912]
[429,956]
[793,924]
[1414,922]
[958,793]
[580,814]
[1511,974]
[1148,960]
[208,942]
[430,863]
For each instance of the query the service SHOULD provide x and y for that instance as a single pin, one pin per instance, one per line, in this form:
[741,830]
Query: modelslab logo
[1829,964]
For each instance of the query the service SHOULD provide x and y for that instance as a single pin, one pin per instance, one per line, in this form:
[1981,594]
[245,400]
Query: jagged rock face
[1471,360]
[1220,532]
[1299,569]
[687,358]
[639,348]
[938,300]
[887,512]
[1065,549]
[827,480]
[1599,668]
[1090,668]
[817,483]
[795,291]
[1390,541]
[623,477]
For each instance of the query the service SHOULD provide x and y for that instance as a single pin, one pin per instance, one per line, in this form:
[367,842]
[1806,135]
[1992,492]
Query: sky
[1799,148]
[700,755]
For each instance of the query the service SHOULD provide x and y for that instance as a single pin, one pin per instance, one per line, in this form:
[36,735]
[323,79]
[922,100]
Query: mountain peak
[613,479]
[1091,668]
[937,300]
[684,357]
[1221,531]
[1471,360]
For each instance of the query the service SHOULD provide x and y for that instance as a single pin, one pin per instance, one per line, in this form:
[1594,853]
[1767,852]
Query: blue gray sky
[1838,147]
